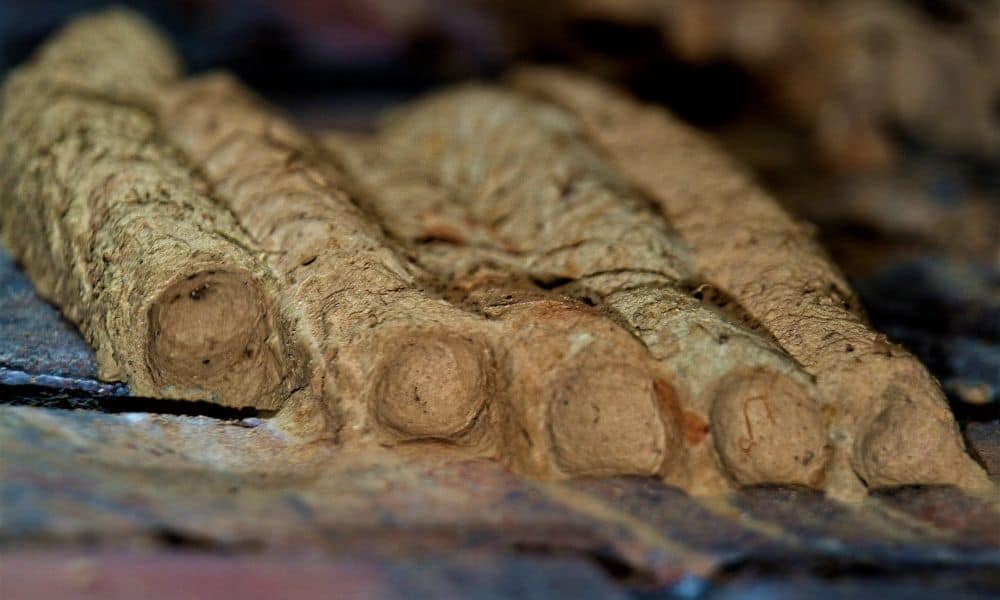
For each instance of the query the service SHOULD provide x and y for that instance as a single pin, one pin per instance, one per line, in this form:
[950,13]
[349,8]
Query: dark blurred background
[879,120]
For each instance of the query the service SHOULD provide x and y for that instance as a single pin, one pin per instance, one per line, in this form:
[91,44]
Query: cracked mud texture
[392,361]
[544,384]
[493,348]
[561,216]
[889,414]
[114,227]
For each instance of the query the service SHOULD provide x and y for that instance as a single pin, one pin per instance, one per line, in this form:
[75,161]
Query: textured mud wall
[576,285]
[746,245]
[116,229]
[536,202]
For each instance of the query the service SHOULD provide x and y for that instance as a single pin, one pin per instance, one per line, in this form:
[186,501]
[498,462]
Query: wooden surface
[100,492]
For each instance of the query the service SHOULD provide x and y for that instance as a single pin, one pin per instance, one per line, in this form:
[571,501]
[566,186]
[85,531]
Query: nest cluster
[543,272]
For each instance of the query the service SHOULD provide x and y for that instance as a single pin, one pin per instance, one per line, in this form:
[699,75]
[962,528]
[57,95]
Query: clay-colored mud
[402,363]
[747,246]
[557,278]
[114,227]
[393,363]
[535,200]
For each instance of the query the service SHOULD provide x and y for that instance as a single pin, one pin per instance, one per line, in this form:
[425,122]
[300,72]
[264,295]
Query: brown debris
[850,71]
